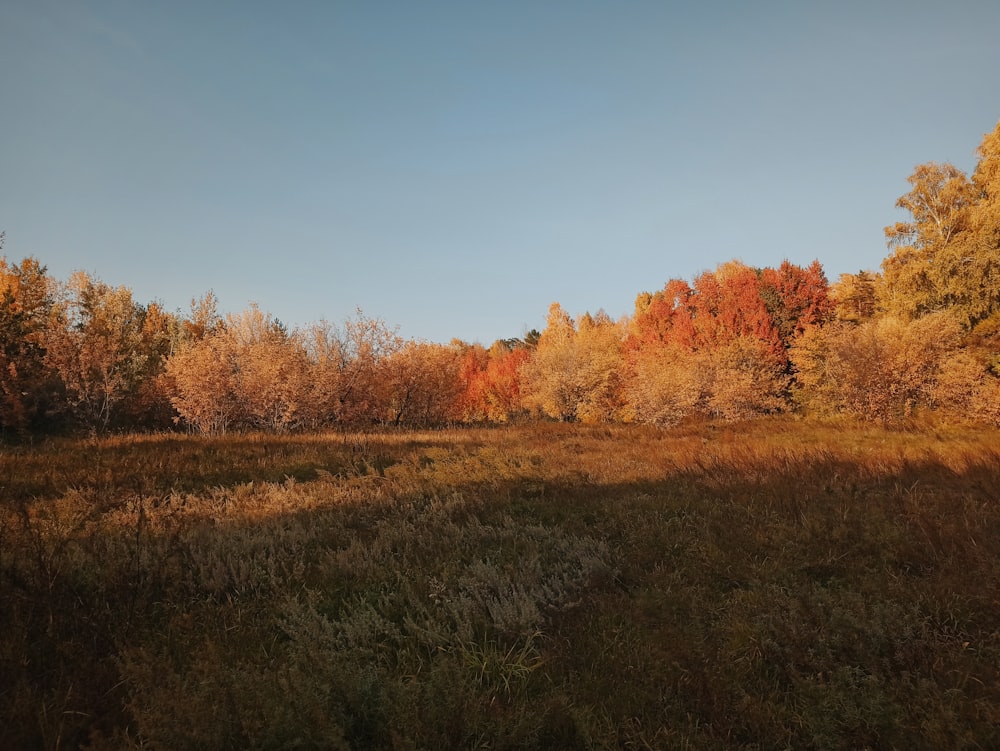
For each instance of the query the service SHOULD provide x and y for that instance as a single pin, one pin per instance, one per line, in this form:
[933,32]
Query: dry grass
[776,584]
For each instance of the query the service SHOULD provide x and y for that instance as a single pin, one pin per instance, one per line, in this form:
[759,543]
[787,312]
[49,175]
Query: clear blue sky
[454,167]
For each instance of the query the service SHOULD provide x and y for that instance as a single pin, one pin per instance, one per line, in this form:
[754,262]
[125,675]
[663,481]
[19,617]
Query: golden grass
[779,583]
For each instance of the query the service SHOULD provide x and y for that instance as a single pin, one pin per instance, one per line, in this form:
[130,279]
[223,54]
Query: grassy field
[778,584]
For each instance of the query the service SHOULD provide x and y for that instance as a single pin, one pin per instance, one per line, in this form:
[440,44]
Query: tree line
[733,343]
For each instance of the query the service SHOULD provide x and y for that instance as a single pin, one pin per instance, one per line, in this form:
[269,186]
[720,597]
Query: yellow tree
[972,271]
[148,404]
[947,257]
[598,367]
[885,368]
[965,388]
[247,373]
[745,377]
[25,302]
[201,375]
[204,318]
[422,384]
[575,371]
[325,357]
[94,342]
[366,346]
[938,205]
[198,370]
[547,378]
[666,384]
[270,378]
[854,297]
[348,370]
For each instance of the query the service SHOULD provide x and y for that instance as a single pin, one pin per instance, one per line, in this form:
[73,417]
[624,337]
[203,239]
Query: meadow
[774,584]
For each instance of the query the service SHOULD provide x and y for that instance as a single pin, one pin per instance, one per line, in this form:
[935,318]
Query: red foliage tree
[796,298]
[729,305]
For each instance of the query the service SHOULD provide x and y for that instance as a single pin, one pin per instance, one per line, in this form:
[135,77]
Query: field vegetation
[777,583]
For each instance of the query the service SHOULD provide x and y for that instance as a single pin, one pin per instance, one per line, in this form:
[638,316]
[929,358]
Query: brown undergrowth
[776,584]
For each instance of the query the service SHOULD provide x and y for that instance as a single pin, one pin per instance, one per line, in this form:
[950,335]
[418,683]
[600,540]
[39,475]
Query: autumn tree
[502,391]
[575,371]
[796,298]
[938,204]
[547,379]
[661,381]
[366,346]
[248,373]
[947,256]
[201,375]
[745,378]
[665,384]
[197,371]
[93,340]
[974,274]
[728,304]
[491,380]
[324,350]
[853,297]
[25,380]
[473,362]
[719,346]
[271,374]
[598,367]
[148,404]
[664,317]
[421,385]
[965,388]
[885,368]
[204,318]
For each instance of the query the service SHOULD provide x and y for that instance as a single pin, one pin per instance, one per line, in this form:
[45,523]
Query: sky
[455,167]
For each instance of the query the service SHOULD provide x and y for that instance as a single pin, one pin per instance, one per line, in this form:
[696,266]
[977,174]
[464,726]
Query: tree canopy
[731,343]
